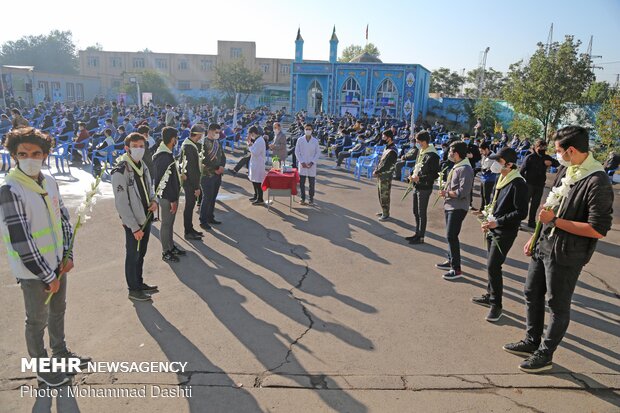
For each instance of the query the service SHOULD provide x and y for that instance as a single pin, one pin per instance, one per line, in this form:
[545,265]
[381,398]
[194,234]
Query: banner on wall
[409,93]
[147,97]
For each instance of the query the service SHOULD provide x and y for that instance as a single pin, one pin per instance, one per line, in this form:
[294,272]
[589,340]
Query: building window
[93,61]
[235,52]
[45,87]
[204,86]
[264,67]
[161,64]
[116,84]
[183,64]
[285,69]
[184,85]
[387,96]
[70,92]
[138,62]
[55,87]
[79,92]
[206,65]
[116,62]
[350,93]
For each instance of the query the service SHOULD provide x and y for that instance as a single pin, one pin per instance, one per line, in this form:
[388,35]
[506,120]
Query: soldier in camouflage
[384,172]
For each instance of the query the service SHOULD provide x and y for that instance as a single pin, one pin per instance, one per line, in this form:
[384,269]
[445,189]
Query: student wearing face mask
[534,170]
[410,155]
[509,207]
[568,238]
[384,172]
[487,176]
[134,197]
[307,152]
[36,230]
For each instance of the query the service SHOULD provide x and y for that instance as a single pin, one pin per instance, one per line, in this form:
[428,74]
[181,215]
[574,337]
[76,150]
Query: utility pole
[590,56]
[549,39]
[483,66]
[463,84]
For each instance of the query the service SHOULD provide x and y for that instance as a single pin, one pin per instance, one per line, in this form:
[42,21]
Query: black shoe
[139,295]
[521,348]
[252,199]
[452,275]
[168,256]
[311,201]
[411,237]
[444,265]
[200,234]
[192,237]
[149,288]
[416,241]
[53,379]
[258,202]
[484,300]
[494,314]
[178,251]
[215,222]
[67,354]
[205,226]
[232,171]
[538,362]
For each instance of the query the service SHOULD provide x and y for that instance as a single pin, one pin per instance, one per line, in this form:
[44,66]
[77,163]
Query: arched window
[387,95]
[351,94]
[315,98]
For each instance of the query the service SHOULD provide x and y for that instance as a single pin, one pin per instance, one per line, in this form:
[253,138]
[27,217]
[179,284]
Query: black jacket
[429,172]
[534,169]
[589,200]
[475,152]
[192,167]
[161,162]
[511,206]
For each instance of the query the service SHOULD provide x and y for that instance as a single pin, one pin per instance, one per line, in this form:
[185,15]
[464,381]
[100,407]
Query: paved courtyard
[321,308]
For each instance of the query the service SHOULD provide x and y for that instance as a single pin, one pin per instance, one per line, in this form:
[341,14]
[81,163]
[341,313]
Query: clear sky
[447,33]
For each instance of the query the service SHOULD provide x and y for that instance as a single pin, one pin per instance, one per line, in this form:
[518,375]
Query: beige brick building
[189,74]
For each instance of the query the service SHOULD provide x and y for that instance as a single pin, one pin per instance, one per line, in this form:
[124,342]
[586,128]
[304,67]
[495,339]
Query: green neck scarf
[461,164]
[503,181]
[165,149]
[429,149]
[587,168]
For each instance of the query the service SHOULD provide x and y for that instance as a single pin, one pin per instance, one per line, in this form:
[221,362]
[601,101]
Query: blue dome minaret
[333,47]
[299,47]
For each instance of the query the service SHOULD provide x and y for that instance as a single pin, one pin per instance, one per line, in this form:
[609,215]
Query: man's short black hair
[134,137]
[460,148]
[465,135]
[168,133]
[309,125]
[214,126]
[142,129]
[388,133]
[253,129]
[575,136]
[484,145]
[423,136]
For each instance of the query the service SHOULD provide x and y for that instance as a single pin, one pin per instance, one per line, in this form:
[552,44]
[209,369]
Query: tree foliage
[553,77]
[597,93]
[153,82]
[486,109]
[494,82]
[54,52]
[97,47]
[446,82]
[525,127]
[235,77]
[355,50]
[608,122]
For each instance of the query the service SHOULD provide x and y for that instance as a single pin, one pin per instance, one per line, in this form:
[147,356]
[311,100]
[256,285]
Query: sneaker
[168,256]
[453,275]
[53,379]
[215,222]
[67,354]
[411,237]
[139,295]
[538,362]
[444,265]
[258,202]
[311,202]
[494,314]
[384,217]
[302,202]
[252,199]
[192,237]
[205,226]
[149,288]
[200,234]
[484,300]
[178,251]
[521,348]
[379,214]
[417,241]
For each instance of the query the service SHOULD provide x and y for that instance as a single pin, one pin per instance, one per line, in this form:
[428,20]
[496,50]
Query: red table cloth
[279,180]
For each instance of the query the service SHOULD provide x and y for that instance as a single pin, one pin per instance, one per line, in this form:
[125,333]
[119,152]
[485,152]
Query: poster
[147,97]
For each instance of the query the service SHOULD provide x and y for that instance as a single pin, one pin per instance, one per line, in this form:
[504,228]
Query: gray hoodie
[127,195]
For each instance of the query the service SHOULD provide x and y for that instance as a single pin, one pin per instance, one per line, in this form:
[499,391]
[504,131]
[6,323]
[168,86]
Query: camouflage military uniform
[384,172]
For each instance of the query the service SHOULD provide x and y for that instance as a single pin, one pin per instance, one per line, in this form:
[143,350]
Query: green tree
[153,82]
[494,82]
[525,127]
[54,52]
[355,50]
[553,77]
[457,111]
[446,82]
[235,77]
[486,109]
[97,47]
[597,93]
[608,122]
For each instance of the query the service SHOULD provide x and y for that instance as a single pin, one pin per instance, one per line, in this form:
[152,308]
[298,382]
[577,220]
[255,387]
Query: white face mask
[136,154]
[496,167]
[30,167]
[308,133]
[419,146]
[561,160]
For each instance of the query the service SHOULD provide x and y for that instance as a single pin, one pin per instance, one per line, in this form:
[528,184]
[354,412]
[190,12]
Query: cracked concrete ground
[318,309]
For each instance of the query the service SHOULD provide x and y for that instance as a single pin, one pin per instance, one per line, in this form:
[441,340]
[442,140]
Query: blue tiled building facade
[364,85]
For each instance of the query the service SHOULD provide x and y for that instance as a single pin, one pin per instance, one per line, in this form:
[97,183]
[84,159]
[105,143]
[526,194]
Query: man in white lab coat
[307,152]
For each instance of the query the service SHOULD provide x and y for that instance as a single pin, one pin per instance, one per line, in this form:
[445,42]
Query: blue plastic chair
[406,171]
[354,155]
[105,156]
[6,158]
[378,149]
[62,153]
[365,164]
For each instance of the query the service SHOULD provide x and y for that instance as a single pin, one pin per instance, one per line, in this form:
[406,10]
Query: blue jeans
[134,259]
[454,221]
[210,186]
